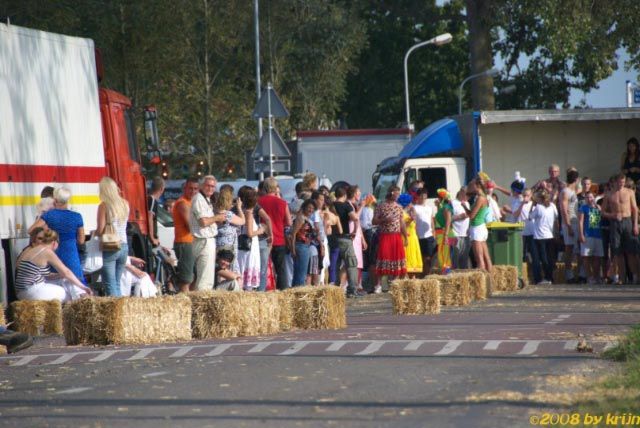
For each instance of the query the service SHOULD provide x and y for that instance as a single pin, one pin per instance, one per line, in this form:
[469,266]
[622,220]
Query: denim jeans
[264,263]
[334,255]
[278,254]
[301,264]
[542,253]
[348,255]
[113,263]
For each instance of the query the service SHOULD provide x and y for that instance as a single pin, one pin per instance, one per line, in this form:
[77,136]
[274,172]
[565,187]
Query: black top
[152,205]
[635,176]
[343,209]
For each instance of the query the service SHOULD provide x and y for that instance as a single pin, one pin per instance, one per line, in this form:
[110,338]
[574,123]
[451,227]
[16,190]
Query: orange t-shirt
[181,227]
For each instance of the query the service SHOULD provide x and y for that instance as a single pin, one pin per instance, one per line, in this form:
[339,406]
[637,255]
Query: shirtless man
[619,206]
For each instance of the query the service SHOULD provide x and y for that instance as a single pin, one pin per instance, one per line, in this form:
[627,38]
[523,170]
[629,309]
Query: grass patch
[619,393]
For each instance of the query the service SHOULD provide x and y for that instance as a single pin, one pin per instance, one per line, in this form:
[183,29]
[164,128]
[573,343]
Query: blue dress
[66,223]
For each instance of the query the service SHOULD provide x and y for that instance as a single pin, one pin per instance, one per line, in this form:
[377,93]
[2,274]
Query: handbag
[93,260]
[110,240]
[244,242]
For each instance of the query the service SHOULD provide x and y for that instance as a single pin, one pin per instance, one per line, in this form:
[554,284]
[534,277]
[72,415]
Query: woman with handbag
[248,244]
[113,213]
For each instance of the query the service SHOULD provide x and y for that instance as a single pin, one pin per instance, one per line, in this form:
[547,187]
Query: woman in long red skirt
[391,260]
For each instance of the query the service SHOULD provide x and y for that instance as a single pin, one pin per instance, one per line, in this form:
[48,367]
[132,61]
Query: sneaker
[377,289]
[544,282]
[351,295]
[582,280]
[15,341]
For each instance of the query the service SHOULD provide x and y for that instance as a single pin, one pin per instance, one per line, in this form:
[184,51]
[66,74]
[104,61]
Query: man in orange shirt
[182,243]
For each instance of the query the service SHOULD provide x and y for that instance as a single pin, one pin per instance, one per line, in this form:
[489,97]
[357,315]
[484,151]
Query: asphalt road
[492,364]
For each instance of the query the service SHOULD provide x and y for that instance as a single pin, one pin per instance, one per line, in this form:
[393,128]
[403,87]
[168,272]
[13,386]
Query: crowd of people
[254,240]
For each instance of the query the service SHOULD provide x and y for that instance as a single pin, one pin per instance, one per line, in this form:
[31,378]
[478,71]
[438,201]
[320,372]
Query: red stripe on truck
[51,173]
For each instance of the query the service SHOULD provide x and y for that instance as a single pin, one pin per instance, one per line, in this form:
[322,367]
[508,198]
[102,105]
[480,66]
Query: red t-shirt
[276,209]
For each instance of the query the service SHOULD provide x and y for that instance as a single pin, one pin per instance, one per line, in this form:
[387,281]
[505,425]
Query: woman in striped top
[33,275]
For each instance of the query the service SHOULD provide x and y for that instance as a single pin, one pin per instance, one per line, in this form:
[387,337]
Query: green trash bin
[505,244]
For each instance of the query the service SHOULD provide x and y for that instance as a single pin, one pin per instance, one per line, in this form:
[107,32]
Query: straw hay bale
[413,297]
[285,302]
[233,314]
[3,320]
[504,278]
[559,276]
[318,307]
[455,289]
[526,275]
[478,280]
[37,317]
[127,320]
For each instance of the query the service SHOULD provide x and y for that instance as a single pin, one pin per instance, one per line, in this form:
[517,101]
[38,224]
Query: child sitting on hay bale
[226,278]
[136,282]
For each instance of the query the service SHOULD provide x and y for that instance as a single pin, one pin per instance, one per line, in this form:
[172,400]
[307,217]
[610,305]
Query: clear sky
[612,91]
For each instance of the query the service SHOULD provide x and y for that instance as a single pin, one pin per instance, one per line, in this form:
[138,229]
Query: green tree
[376,91]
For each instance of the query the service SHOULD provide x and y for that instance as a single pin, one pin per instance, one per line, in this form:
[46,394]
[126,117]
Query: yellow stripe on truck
[33,200]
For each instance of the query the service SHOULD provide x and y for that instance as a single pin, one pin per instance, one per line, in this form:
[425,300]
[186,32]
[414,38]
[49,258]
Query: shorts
[592,247]
[186,262]
[479,233]
[428,246]
[566,238]
[314,260]
[621,237]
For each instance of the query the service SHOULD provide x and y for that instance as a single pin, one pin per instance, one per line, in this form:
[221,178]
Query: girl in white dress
[248,245]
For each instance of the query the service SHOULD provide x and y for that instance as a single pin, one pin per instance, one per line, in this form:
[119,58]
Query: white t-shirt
[316,217]
[424,214]
[460,227]
[200,208]
[543,220]
[494,208]
[366,218]
[524,217]
[514,203]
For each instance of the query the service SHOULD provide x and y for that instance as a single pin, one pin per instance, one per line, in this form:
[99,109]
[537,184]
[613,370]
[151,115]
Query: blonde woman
[478,213]
[114,210]
[33,273]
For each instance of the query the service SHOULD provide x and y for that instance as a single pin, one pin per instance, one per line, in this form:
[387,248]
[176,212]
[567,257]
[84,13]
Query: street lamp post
[442,39]
[491,72]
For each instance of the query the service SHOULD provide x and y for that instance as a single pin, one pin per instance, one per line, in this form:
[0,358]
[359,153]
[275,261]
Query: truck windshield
[385,180]
[134,153]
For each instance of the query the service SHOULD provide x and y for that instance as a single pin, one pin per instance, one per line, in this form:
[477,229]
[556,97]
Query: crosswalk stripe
[371,348]
[492,345]
[217,350]
[570,345]
[336,346]
[259,347]
[62,359]
[530,347]
[25,360]
[181,352]
[142,354]
[449,347]
[414,345]
[103,356]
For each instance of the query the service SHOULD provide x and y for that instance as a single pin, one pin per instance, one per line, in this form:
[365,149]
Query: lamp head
[442,39]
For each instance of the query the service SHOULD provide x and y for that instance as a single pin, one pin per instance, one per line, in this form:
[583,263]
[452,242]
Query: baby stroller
[165,271]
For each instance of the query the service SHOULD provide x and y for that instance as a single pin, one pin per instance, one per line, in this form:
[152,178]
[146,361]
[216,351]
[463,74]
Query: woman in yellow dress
[412,245]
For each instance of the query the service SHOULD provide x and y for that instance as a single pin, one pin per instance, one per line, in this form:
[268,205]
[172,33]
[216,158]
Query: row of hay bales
[199,315]
[458,288]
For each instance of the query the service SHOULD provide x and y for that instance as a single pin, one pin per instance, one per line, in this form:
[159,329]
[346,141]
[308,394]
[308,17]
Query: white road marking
[564,316]
[609,345]
[218,350]
[297,347]
[450,347]
[374,346]
[570,345]
[336,346]
[63,359]
[414,345]
[154,374]
[74,390]
[103,356]
[181,352]
[492,345]
[25,360]
[141,354]
[530,347]
[259,347]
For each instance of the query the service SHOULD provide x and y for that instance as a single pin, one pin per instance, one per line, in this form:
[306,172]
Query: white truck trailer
[348,155]
[452,150]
